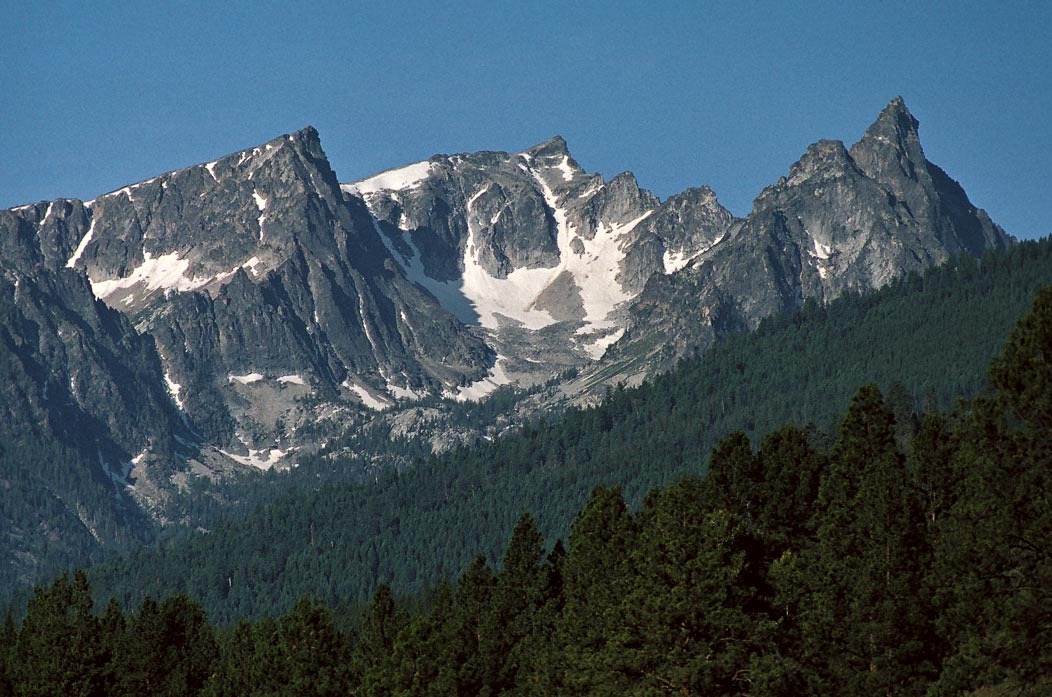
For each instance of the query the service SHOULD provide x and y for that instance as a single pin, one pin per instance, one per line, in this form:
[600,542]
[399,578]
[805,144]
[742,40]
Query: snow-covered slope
[526,246]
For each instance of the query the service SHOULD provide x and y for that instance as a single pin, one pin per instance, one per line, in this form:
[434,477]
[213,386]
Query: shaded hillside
[934,334]
[872,564]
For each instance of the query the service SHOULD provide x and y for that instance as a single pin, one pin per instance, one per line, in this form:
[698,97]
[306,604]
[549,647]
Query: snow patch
[293,380]
[167,271]
[261,204]
[174,389]
[79,251]
[478,298]
[565,168]
[403,392]
[400,179]
[597,348]
[245,379]
[674,261]
[260,459]
[211,167]
[595,270]
[367,399]
[251,265]
[822,251]
[47,213]
[481,389]
[510,297]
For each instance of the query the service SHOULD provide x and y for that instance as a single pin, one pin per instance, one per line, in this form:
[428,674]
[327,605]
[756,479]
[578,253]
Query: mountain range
[247,312]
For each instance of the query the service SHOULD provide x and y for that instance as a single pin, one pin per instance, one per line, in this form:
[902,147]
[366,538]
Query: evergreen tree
[8,637]
[519,615]
[733,476]
[240,668]
[373,658]
[427,654]
[863,615]
[994,561]
[471,603]
[57,651]
[311,655]
[691,622]
[790,470]
[595,581]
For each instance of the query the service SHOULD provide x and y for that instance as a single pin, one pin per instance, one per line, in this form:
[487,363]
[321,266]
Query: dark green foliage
[373,661]
[790,571]
[57,651]
[935,335]
[692,621]
[994,550]
[8,636]
[595,580]
[906,556]
[167,649]
[862,610]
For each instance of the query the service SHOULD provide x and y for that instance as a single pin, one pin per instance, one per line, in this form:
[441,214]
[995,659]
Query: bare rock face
[239,313]
[840,220]
[259,284]
[200,320]
[532,249]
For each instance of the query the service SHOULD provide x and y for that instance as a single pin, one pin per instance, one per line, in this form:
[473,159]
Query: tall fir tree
[994,560]
[859,589]
[691,623]
[57,651]
[595,581]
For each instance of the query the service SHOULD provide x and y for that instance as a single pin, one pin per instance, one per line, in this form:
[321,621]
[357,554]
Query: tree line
[894,559]
[926,340]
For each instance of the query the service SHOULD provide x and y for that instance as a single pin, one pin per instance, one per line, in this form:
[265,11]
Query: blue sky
[680,93]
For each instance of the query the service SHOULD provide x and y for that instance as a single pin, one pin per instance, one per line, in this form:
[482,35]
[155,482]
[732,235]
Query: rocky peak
[823,159]
[895,125]
[554,147]
[839,220]
[890,151]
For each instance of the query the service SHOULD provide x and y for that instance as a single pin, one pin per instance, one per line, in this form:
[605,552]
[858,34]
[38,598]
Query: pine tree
[312,658]
[994,559]
[733,476]
[426,653]
[595,581]
[8,637]
[57,651]
[372,660]
[518,616]
[471,605]
[790,470]
[691,623]
[859,590]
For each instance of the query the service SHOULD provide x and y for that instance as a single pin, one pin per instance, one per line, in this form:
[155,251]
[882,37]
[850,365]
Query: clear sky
[94,96]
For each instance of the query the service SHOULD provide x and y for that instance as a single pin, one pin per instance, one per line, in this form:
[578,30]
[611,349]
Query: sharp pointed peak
[555,145]
[307,137]
[894,122]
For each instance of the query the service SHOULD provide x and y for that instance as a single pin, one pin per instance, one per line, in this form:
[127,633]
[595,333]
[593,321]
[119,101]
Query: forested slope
[934,334]
[873,564]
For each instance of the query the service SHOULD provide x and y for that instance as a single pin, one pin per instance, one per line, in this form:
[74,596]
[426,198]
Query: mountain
[534,250]
[250,312]
[841,220]
[927,340]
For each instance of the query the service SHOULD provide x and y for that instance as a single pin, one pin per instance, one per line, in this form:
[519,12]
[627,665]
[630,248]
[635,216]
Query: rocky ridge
[241,313]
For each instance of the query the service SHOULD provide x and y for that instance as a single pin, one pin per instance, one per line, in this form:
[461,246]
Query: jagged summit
[839,220]
[252,308]
[555,145]
[890,150]
[895,122]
